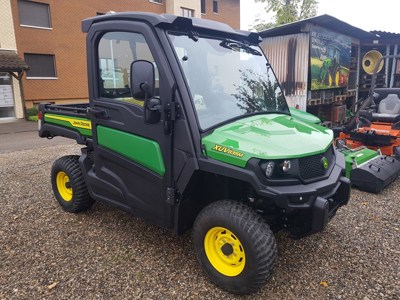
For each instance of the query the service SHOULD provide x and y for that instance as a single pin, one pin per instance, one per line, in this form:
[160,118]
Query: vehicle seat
[389,105]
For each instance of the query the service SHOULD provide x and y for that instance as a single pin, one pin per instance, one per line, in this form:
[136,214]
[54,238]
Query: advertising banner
[330,59]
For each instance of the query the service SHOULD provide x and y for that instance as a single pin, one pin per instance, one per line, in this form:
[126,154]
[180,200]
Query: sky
[383,15]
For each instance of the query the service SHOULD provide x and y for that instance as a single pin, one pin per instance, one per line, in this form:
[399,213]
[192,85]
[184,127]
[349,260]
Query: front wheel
[69,186]
[234,246]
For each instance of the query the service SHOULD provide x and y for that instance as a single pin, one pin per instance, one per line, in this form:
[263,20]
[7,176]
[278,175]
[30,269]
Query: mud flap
[320,214]
[376,174]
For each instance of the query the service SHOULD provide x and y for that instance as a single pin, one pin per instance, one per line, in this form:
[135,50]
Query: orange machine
[378,124]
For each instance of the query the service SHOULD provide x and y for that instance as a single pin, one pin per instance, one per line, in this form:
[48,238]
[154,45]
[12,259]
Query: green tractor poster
[330,55]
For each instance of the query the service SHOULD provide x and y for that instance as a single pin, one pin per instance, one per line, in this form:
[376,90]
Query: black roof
[326,21]
[386,35]
[166,19]
[11,62]
[382,38]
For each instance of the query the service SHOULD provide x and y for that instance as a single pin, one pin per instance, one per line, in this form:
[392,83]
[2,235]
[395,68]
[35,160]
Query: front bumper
[306,209]
[302,209]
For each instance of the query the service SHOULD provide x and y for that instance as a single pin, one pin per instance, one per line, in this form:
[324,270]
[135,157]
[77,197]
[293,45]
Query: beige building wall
[174,7]
[19,109]
[7,34]
[8,42]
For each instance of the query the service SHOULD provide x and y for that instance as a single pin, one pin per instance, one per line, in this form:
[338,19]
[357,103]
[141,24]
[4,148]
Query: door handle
[97,113]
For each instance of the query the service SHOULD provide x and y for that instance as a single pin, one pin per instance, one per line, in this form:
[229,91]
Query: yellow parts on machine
[64,186]
[224,251]
[85,124]
[370,60]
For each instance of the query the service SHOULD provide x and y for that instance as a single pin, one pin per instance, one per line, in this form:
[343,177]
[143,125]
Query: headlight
[286,166]
[269,169]
[279,168]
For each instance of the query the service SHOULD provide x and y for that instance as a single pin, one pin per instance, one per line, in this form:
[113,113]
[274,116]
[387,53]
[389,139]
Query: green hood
[270,136]
[304,116]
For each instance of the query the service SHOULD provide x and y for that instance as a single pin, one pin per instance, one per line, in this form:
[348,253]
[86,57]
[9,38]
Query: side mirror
[142,79]
[142,88]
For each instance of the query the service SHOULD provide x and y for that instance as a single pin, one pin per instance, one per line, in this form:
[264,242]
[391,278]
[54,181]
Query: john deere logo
[325,162]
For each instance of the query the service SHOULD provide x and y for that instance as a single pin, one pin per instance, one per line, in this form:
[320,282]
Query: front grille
[313,167]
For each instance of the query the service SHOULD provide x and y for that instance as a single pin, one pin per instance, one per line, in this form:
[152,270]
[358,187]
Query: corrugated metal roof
[326,21]
[386,34]
[11,62]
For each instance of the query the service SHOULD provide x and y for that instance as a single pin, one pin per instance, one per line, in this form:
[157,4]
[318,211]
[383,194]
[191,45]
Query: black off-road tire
[69,185]
[247,229]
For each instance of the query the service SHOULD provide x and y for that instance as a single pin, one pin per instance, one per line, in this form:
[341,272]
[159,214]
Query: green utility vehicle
[187,127]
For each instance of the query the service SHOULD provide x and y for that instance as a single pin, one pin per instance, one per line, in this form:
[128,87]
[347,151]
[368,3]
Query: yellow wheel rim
[64,186]
[224,251]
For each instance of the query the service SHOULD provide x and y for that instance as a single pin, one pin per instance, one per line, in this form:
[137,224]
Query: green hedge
[31,114]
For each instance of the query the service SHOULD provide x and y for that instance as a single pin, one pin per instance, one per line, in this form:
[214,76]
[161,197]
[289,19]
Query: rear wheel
[69,185]
[234,246]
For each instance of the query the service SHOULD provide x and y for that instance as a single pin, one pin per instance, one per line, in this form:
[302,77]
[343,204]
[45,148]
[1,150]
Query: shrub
[31,114]
[33,118]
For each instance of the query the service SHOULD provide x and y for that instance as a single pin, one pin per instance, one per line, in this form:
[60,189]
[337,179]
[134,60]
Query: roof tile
[11,62]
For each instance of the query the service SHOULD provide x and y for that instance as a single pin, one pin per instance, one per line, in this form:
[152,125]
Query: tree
[259,92]
[286,11]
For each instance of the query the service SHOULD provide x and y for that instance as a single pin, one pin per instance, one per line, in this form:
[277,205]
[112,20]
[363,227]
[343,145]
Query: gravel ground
[46,253]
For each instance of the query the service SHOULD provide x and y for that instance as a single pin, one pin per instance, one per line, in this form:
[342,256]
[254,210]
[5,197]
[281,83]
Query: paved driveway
[22,135]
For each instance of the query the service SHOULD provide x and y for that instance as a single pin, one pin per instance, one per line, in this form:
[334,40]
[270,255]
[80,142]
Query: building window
[40,66]
[156,1]
[186,12]
[215,6]
[34,14]
[203,7]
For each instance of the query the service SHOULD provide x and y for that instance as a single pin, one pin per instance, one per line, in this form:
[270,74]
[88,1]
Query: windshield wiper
[230,120]
[236,46]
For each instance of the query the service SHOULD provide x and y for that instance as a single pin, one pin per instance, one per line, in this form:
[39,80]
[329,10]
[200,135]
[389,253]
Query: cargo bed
[70,121]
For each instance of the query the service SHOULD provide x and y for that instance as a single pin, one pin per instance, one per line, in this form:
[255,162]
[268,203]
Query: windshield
[227,79]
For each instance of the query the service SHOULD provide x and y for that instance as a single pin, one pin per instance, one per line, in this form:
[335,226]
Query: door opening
[6,96]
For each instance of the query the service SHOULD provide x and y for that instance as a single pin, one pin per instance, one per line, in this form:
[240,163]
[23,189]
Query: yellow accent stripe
[74,122]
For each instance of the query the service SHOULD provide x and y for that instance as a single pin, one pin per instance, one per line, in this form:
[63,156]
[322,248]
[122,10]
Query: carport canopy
[11,62]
